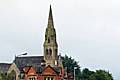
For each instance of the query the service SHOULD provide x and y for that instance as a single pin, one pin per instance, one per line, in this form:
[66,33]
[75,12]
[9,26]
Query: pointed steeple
[50,43]
[50,18]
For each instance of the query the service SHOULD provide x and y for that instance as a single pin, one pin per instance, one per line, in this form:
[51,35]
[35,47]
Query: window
[32,78]
[46,51]
[45,37]
[48,78]
[48,40]
[50,52]
[51,78]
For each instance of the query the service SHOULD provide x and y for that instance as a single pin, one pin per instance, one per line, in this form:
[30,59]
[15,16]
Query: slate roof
[34,61]
[22,62]
[4,67]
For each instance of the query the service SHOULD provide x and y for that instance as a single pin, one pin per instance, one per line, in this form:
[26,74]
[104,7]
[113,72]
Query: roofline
[27,56]
[50,67]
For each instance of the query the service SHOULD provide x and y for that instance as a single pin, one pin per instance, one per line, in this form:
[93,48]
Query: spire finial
[50,18]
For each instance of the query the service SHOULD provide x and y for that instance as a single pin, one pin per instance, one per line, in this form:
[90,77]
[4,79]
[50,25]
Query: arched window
[46,51]
[48,40]
[45,37]
[50,52]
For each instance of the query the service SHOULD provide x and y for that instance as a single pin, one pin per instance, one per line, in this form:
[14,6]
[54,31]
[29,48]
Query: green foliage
[101,75]
[85,74]
[70,63]
[97,75]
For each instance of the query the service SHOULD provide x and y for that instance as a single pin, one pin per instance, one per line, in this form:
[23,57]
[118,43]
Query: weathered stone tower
[50,43]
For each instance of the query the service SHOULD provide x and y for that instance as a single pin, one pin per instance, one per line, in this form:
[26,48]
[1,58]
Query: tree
[101,75]
[70,63]
[86,73]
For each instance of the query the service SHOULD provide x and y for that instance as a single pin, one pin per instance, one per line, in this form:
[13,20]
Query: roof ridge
[28,56]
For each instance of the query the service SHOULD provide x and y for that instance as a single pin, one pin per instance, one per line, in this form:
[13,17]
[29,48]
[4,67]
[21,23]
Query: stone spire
[50,18]
[50,43]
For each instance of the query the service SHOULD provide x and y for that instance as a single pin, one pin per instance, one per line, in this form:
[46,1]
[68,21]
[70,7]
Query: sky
[87,30]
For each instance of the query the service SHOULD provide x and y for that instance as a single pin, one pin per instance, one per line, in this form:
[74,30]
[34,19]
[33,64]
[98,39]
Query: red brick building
[48,73]
[30,73]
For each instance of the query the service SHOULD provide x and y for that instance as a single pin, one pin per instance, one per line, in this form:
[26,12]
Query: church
[46,67]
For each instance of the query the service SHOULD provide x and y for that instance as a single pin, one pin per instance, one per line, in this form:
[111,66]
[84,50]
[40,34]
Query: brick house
[48,73]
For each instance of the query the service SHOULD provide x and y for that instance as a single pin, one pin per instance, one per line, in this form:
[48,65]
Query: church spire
[50,43]
[50,18]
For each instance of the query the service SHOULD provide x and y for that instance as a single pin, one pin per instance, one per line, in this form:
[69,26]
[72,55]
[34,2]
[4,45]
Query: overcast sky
[87,30]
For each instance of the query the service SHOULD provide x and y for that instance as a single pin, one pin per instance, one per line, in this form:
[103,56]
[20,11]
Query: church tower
[50,43]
